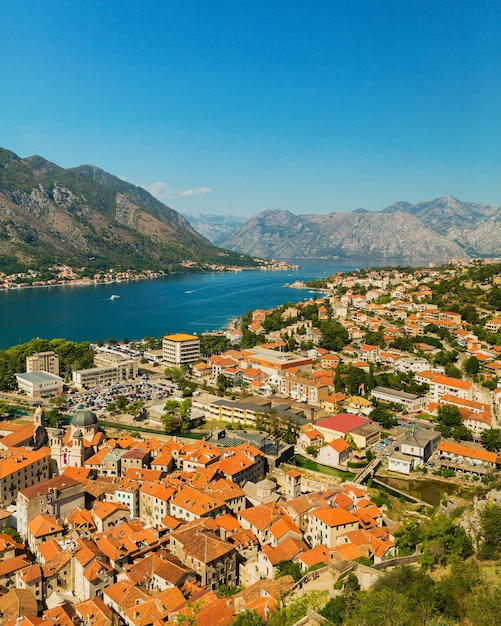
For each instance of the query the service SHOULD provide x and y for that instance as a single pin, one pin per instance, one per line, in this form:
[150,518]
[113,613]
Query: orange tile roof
[234,464]
[349,552]
[21,459]
[49,550]
[94,611]
[12,565]
[446,381]
[204,546]
[143,474]
[473,453]
[335,517]
[313,434]
[285,551]
[260,517]
[43,525]
[102,510]
[18,436]
[77,473]
[32,573]
[339,445]
[319,554]
[282,527]
[196,502]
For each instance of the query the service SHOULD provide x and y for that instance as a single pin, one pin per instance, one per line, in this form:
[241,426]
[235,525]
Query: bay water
[191,303]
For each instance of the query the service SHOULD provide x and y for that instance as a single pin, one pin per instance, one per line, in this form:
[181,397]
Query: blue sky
[234,107]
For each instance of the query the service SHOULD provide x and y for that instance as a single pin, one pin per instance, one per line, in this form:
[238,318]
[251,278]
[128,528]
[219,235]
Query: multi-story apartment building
[213,559]
[181,349]
[43,362]
[20,469]
[56,496]
[114,373]
[327,524]
[303,388]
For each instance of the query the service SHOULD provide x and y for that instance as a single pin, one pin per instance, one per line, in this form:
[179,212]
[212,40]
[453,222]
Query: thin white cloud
[195,192]
[162,191]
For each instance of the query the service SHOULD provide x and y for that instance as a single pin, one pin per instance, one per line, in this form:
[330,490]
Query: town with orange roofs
[257,474]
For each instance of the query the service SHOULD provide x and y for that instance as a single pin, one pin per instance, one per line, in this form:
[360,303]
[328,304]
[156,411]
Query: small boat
[114,297]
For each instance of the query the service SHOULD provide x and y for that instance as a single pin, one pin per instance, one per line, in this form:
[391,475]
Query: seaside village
[143,529]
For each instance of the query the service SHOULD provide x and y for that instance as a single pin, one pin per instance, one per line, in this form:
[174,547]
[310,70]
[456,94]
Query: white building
[401,463]
[114,373]
[442,385]
[39,384]
[409,401]
[181,349]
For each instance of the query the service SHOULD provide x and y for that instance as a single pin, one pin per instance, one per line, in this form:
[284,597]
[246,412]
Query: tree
[491,439]
[444,357]
[407,537]
[213,344]
[334,335]
[338,380]
[471,365]
[223,383]
[52,418]
[355,379]
[448,419]
[278,426]
[13,533]
[291,431]
[121,402]
[453,372]
[386,607]
[443,540]
[135,408]
[384,417]
[288,568]
[297,609]
[170,417]
[483,605]
[340,606]
[174,373]
[247,617]
[58,401]
[490,518]
[184,413]
[461,433]
[470,314]
[312,451]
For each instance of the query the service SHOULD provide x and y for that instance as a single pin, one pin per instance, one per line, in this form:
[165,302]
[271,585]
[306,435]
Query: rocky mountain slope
[214,227]
[475,227]
[440,229]
[86,216]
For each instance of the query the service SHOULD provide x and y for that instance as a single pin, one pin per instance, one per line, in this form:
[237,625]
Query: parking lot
[99,398]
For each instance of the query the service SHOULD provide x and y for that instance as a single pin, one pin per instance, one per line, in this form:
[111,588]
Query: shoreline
[82,282]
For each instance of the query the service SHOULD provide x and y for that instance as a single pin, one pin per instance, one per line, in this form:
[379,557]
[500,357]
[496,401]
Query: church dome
[77,434]
[84,418]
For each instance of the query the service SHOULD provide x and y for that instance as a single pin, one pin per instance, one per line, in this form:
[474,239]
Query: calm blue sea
[188,303]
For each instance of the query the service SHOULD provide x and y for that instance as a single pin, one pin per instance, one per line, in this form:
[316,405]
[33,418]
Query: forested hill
[87,216]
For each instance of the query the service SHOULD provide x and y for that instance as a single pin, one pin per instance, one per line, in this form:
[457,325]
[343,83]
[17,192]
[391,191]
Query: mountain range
[438,229]
[214,227]
[86,216]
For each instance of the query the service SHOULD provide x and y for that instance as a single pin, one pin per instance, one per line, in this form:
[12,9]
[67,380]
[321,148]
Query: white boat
[114,297]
